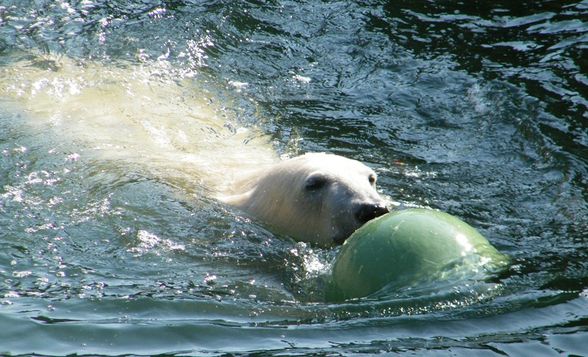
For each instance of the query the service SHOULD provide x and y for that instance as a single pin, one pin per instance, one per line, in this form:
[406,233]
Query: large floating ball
[409,247]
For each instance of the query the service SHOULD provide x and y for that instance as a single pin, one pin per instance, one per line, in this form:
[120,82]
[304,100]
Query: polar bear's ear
[315,181]
[372,178]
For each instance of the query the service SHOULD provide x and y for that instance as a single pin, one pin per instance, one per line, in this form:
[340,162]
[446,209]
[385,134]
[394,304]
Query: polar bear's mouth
[368,211]
[363,213]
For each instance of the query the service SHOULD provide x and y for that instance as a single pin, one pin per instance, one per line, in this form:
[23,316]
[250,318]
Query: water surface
[477,108]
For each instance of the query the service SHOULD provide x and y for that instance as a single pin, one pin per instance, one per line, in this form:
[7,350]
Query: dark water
[476,108]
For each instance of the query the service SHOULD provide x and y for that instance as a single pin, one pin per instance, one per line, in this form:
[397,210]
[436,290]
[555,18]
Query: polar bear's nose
[369,211]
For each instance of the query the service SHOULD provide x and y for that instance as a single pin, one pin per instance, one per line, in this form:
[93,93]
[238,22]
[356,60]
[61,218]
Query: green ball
[410,247]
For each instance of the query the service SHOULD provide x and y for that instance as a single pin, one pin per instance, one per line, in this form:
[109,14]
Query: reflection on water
[475,108]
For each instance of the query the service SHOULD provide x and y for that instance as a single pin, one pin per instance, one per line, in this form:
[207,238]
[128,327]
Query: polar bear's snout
[368,211]
[344,225]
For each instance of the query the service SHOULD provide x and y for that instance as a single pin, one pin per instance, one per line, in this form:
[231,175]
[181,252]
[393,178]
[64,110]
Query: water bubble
[210,280]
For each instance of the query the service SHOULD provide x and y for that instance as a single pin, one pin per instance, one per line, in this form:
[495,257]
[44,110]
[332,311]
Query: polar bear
[317,197]
[157,119]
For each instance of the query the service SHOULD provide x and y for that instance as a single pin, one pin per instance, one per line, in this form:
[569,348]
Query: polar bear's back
[148,115]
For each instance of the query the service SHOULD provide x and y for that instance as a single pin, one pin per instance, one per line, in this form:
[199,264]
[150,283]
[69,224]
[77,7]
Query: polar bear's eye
[315,182]
[372,179]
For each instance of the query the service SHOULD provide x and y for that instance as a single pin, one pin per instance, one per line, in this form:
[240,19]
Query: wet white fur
[280,196]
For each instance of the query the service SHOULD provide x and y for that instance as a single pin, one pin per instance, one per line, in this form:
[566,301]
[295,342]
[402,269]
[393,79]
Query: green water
[478,109]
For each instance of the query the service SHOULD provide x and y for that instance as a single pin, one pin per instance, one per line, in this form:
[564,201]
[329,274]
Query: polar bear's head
[319,198]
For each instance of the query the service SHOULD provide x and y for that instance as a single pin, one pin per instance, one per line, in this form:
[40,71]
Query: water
[475,108]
